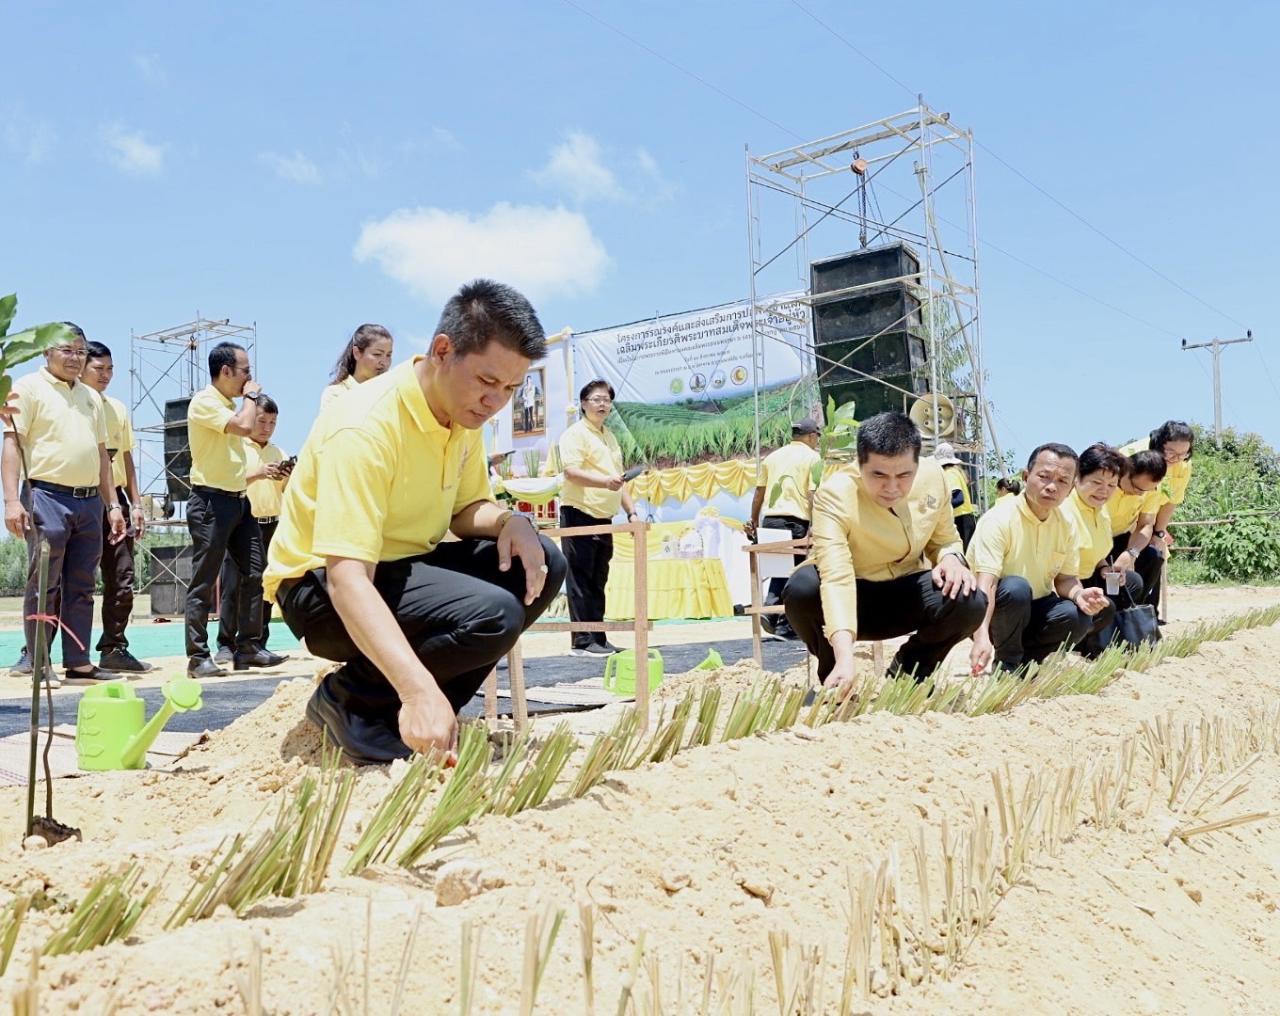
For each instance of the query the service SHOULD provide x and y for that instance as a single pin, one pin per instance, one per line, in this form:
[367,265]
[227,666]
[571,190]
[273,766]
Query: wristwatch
[251,396]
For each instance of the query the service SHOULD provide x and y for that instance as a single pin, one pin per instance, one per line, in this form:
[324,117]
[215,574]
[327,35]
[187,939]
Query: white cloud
[30,139]
[295,168]
[576,165]
[130,152]
[151,69]
[445,138]
[657,186]
[541,251]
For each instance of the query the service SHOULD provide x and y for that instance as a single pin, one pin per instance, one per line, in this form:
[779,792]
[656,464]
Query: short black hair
[75,329]
[1148,463]
[222,355]
[591,386]
[1008,483]
[1060,450]
[888,434]
[1172,430]
[1102,458]
[97,351]
[266,404]
[483,311]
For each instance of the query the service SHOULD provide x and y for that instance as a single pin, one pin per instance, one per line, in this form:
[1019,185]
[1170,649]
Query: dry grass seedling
[107,913]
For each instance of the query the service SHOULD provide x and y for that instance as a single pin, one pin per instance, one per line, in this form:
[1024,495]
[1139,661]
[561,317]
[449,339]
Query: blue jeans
[73,528]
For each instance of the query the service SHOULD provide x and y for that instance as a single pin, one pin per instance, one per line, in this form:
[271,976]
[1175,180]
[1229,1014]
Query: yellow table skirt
[678,588]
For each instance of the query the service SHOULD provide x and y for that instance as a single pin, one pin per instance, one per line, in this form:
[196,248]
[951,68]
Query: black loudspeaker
[170,580]
[876,331]
[874,396]
[177,450]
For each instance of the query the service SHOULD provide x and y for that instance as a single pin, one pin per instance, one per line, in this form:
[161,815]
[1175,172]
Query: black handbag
[1135,625]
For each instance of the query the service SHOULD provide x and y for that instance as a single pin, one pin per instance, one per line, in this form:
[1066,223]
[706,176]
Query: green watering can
[620,672]
[112,730]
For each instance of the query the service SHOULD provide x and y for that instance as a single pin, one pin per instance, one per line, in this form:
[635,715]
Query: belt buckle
[83,493]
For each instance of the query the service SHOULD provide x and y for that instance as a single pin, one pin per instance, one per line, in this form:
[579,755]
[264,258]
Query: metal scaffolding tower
[907,178]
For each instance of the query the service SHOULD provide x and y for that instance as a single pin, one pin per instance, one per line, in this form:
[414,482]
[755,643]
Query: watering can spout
[181,694]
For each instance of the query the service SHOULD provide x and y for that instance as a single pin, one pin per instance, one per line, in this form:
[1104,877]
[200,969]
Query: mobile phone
[633,472]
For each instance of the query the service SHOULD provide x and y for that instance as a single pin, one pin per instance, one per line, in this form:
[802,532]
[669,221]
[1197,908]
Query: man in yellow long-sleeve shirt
[886,560]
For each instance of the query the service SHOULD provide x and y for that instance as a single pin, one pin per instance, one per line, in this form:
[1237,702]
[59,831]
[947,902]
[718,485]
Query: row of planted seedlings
[293,855]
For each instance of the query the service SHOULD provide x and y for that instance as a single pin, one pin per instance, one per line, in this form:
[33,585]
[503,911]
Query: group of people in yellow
[348,540]
[1051,564]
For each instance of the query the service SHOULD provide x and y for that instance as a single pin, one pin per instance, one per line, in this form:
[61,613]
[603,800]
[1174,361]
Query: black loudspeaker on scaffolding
[868,334]
[177,450]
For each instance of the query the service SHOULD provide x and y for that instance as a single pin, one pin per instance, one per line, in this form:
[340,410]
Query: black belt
[79,493]
[200,489]
[268,520]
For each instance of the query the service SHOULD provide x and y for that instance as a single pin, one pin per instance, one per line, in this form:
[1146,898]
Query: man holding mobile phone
[594,489]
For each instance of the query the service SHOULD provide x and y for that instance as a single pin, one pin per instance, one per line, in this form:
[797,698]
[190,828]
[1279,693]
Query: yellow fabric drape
[704,480]
[678,587]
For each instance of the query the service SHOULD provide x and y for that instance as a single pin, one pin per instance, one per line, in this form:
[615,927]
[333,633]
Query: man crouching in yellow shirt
[1026,552]
[877,528]
[357,564]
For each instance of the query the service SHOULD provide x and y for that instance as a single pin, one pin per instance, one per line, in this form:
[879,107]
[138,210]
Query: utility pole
[1217,345]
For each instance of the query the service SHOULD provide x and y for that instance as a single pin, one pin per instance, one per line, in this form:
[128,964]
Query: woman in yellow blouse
[366,355]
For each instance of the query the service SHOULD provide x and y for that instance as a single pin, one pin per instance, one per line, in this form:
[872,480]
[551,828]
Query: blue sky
[312,166]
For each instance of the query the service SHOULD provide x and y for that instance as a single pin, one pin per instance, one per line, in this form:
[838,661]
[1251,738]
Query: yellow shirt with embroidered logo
[379,479]
[265,495]
[217,457]
[956,481]
[856,538]
[334,390]
[1093,532]
[593,450]
[790,466]
[1126,509]
[1010,541]
[119,438]
[62,427]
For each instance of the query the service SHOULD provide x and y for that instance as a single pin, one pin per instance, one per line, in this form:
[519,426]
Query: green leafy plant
[25,345]
[108,912]
[839,434]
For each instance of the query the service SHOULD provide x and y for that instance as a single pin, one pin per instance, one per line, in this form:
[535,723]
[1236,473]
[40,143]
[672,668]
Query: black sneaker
[124,662]
[224,656]
[363,740]
[94,675]
[609,647]
[592,650]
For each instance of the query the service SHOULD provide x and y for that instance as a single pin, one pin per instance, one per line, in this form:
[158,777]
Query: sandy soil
[706,855]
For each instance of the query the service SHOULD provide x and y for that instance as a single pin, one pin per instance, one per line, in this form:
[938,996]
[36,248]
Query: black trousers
[965,525]
[1024,629]
[229,596]
[1150,565]
[911,605]
[117,582]
[222,525]
[587,558]
[799,529]
[457,610]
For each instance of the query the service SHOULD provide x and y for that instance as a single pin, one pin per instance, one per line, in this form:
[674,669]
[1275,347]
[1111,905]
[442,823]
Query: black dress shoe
[366,741]
[123,661]
[204,667]
[224,655]
[262,658]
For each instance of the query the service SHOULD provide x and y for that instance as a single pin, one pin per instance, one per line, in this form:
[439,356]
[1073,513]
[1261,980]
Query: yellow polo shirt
[956,481]
[1093,531]
[1173,488]
[341,388]
[792,466]
[62,427]
[583,446]
[856,538]
[1011,541]
[264,495]
[119,437]
[379,479]
[217,457]
[1126,509]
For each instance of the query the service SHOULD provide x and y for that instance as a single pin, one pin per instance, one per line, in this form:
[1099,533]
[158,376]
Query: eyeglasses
[71,352]
[600,400]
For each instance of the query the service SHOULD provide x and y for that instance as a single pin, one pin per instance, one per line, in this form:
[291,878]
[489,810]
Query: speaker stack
[177,450]
[870,342]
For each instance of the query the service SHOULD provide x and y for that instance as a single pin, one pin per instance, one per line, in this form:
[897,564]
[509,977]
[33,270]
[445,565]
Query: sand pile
[707,854]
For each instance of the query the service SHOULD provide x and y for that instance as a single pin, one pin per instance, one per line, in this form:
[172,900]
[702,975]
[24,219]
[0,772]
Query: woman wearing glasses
[593,492]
